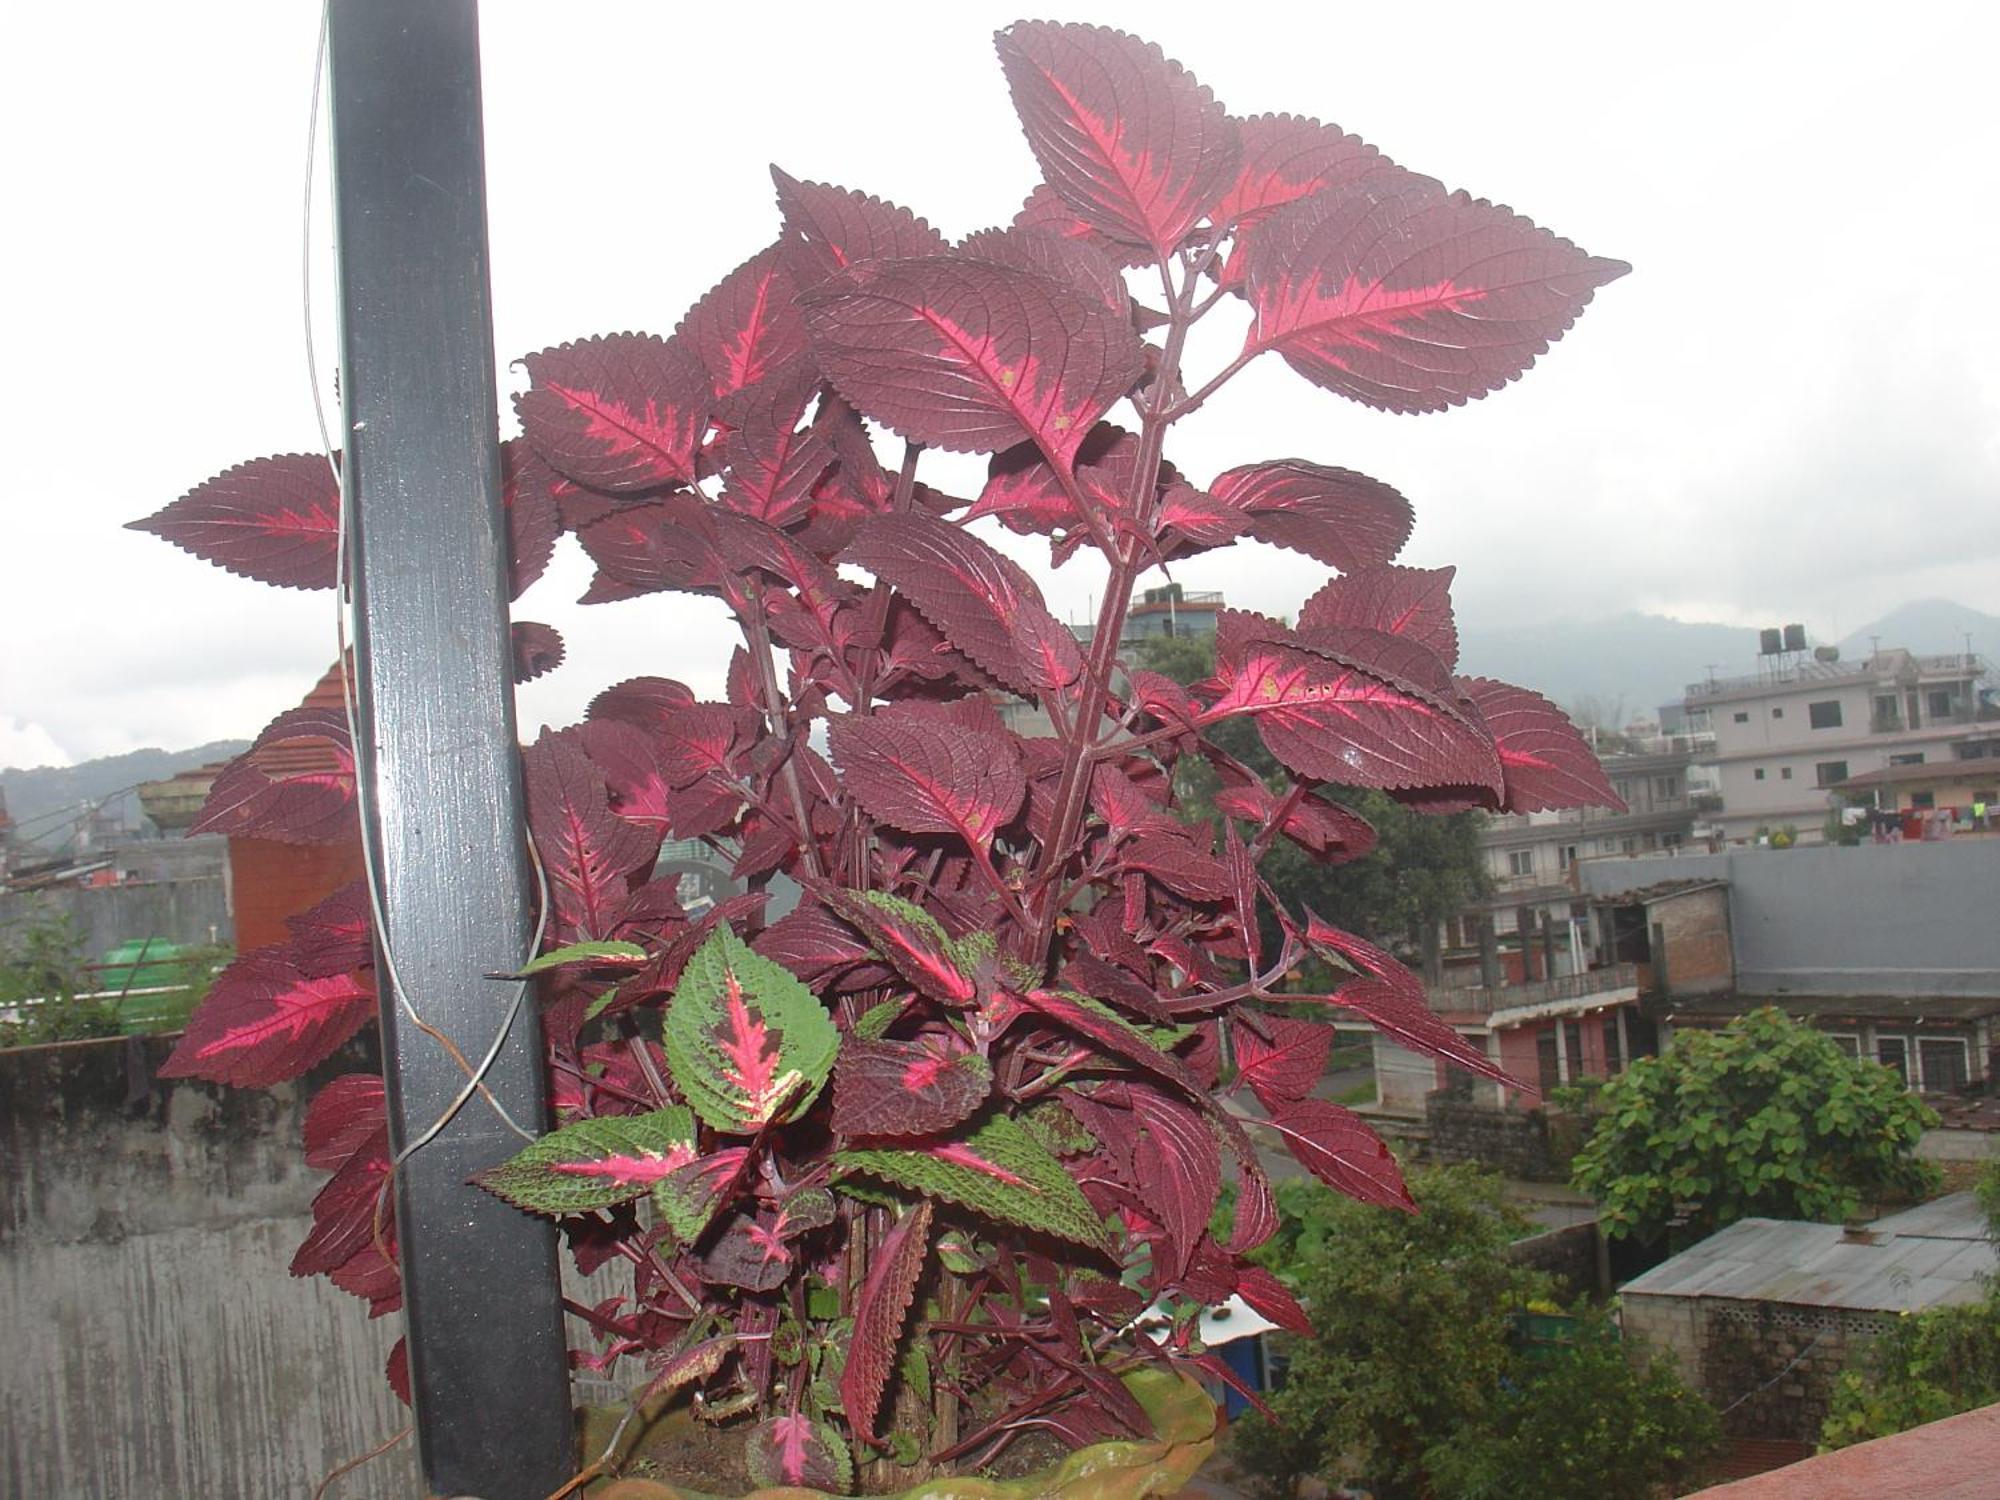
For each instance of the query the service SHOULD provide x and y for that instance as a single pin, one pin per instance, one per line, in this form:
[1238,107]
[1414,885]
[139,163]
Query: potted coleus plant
[897,1172]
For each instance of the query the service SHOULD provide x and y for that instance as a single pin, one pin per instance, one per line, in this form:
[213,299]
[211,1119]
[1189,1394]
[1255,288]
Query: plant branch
[762,658]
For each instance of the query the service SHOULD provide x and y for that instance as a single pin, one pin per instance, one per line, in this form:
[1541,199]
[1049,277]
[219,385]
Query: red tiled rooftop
[1956,1459]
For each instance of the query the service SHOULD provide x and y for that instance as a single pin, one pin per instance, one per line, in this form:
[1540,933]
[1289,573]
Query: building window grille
[1758,774]
[1824,715]
[1742,718]
[1521,862]
[1785,773]
[1830,773]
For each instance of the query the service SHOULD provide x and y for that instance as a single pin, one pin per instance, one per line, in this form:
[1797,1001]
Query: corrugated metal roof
[1933,1254]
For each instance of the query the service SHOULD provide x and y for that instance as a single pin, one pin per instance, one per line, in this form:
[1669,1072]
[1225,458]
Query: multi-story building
[1539,925]
[1787,735]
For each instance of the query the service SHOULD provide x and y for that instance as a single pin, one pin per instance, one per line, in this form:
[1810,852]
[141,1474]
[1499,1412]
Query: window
[1939,702]
[1566,856]
[1941,1060]
[1777,713]
[1923,801]
[1742,718]
[1758,774]
[1666,788]
[1785,774]
[1913,758]
[1894,1052]
[1614,1057]
[1829,773]
[1546,1066]
[1847,1042]
[1521,862]
[1626,846]
[1824,715]
[1573,1048]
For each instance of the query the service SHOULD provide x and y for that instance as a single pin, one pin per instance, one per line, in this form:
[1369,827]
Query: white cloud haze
[1791,409]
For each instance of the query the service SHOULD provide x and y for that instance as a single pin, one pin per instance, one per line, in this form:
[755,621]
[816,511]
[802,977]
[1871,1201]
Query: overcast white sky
[1791,410]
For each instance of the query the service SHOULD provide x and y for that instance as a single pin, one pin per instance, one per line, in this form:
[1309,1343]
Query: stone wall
[1512,1141]
[1769,1367]
[191,910]
[1569,1254]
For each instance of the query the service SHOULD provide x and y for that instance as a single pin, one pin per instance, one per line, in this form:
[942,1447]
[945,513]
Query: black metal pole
[482,1303]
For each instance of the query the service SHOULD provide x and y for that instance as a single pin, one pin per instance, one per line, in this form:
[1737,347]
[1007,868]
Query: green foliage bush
[1417,1381]
[1930,1365]
[41,972]
[1766,1116]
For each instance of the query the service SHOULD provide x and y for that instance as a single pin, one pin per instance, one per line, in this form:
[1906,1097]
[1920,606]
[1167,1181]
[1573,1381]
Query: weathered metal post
[436,737]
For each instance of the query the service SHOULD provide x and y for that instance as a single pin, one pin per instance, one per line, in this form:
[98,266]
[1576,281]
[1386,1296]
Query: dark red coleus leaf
[538,649]
[1408,299]
[273,519]
[1178,1171]
[350,1213]
[1173,859]
[773,463]
[629,759]
[624,412]
[587,851]
[1044,212]
[1413,602]
[647,703]
[971,356]
[295,784]
[1268,1295]
[828,229]
[1286,1064]
[905,1088]
[397,1370]
[1546,763]
[1286,158]
[341,1118]
[1075,263]
[1392,1000]
[336,936]
[985,604]
[813,944]
[879,1315]
[534,520]
[1336,720]
[914,773]
[1343,519]
[263,1021]
[1128,140]
[746,328]
[1336,1147]
[748,1252]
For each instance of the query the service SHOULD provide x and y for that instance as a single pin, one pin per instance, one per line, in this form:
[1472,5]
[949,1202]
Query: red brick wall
[1695,928]
[270,881]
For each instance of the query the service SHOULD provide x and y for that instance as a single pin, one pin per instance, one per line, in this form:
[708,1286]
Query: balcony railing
[1482,1001]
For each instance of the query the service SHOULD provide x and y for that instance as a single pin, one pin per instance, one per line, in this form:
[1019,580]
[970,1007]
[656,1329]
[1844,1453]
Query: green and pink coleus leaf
[747,1043]
[689,1197]
[971,356]
[596,1163]
[879,1315]
[1129,141]
[1406,298]
[997,1170]
[909,939]
[264,1021]
[799,1453]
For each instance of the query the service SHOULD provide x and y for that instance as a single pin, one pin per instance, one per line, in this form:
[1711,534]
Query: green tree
[1766,1116]
[1927,1365]
[1416,1380]
[1423,870]
[42,962]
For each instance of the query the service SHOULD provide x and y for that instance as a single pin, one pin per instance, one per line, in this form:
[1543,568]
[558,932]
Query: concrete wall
[193,910]
[1876,919]
[157,1344]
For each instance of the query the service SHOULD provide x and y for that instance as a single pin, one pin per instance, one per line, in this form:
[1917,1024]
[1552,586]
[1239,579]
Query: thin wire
[326,1484]
[364,793]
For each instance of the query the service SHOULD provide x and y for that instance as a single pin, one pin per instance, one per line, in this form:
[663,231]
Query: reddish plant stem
[758,629]
[1073,787]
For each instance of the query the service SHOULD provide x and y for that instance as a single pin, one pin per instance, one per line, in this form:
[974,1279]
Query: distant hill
[52,789]
[1930,627]
[1642,661]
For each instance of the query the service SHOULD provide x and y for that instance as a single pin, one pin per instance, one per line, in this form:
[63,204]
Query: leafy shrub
[1766,1116]
[895,1171]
